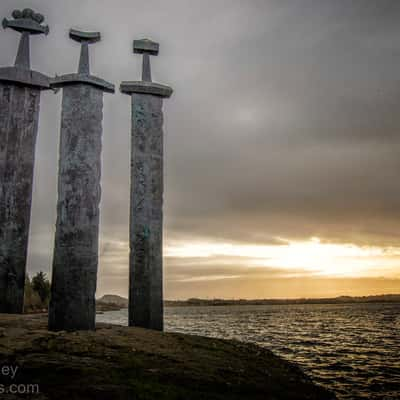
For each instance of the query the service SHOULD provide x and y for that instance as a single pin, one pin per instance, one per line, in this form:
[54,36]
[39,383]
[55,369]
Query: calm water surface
[353,349]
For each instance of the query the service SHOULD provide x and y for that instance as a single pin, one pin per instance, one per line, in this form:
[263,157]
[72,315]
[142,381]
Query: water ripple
[352,349]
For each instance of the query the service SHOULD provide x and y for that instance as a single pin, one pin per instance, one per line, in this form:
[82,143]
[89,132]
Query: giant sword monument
[20,89]
[146,215]
[75,260]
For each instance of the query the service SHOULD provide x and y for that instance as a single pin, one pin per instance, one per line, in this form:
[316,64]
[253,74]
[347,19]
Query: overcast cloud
[284,123]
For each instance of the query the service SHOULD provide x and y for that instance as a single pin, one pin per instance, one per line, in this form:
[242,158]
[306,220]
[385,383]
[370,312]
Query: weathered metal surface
[75,260]
[71,79]
[146,218]
[147,186]
[24,77]
[19,113]
[146,86]
[83,75]
[26,21]
[85,38]
[72,305]
[146,46]
[155,89]
[82,36]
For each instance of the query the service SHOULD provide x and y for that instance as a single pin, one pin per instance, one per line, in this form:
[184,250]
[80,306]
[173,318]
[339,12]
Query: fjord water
[352,349]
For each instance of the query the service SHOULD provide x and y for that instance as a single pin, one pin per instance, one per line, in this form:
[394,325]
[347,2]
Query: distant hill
[113,299]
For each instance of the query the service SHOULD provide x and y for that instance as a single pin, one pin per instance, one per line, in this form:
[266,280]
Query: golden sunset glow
[311,256]
[285,269]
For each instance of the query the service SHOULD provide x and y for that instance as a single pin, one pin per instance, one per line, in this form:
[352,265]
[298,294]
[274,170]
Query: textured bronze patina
[20,89]
[75,260]
[146,215]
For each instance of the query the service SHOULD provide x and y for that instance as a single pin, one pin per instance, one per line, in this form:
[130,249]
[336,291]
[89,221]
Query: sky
[282,141]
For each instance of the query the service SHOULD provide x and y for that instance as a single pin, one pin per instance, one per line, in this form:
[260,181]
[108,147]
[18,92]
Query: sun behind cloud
[310,256]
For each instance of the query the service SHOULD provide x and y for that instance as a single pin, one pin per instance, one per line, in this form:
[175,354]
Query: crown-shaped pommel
[26,21]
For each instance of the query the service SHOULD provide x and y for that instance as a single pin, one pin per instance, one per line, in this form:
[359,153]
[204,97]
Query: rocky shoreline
[116,362]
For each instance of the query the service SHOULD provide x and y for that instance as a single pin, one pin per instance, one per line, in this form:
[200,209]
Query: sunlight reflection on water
[353,349]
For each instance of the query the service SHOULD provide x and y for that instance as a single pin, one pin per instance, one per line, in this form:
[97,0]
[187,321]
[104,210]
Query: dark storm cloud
[284,121]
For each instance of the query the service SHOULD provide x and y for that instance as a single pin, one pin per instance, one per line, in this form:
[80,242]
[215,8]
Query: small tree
[41,285]
[32,300]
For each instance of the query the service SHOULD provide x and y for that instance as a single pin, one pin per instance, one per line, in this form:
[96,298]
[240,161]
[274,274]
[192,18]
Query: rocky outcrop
[116,362]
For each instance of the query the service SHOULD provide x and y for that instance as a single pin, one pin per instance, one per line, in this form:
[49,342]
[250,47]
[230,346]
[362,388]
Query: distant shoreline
[390,298]
[115,303]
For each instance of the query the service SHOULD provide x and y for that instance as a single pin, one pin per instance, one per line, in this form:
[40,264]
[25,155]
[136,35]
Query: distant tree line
[385,298]
[37,293]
